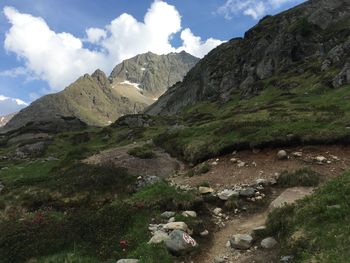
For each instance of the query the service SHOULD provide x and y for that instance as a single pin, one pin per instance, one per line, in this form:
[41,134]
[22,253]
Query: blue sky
[45,44]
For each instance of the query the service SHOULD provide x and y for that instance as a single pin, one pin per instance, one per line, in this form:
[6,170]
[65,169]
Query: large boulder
[241,241]
[180,243]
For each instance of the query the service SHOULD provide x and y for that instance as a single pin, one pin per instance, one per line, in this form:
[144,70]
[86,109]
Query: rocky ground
[233,237]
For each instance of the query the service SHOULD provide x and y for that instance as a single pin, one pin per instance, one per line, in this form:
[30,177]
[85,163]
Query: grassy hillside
[324,235]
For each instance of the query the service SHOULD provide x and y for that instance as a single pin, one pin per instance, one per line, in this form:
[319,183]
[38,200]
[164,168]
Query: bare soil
[264,164]
[163,165]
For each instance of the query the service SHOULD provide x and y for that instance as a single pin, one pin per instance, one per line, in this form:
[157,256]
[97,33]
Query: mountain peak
[101,77]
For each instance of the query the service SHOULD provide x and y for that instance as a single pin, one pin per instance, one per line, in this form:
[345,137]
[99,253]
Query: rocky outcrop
[311,34]
[154,73]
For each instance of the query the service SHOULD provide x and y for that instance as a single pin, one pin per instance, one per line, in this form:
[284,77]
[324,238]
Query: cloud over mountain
[254,8]
[59,58]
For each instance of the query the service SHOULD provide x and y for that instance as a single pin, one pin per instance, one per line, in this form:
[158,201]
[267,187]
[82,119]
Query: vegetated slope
[286,82]
[323,237]
[98,100]
[5,119]
[314,34]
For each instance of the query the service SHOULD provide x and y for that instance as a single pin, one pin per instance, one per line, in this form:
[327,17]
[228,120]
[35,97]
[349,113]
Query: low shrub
[302,177]
[143,152]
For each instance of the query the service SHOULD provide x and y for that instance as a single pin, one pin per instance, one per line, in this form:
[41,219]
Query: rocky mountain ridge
[98,100]
[315,32]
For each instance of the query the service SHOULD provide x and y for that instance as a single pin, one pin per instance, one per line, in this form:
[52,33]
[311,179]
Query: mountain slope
[313,33]
[98,100]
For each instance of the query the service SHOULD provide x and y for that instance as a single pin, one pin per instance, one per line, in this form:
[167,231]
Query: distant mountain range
[6,118]
[99,100]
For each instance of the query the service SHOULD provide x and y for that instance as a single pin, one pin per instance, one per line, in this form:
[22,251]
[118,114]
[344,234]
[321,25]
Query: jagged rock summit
[99,100]
[315,32]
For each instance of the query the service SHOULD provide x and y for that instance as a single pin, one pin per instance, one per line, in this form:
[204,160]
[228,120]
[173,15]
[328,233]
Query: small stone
[321,159]
[128,261]
[282,155]
[241,164]
[167,214]
[258,198]
[228,244]
[176,226]
[171,220]
[287,259]
[189,214]
[227,194]
[204,233]
[214,163]
[241,241]
[205,190]
[268,243]
[297,154]
[233,160]
[217,211]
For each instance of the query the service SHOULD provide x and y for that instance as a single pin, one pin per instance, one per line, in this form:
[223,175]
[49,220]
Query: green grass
[143,152]
[302,177]
[316,229]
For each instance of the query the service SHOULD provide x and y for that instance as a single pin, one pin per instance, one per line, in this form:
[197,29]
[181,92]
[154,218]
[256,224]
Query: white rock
[321,159]
[297,154]
[240,164]
[204,233]
[217,211]
[176,225]
[189,214]
[241,241]
[171,220]
[282,155]
[227,194]
[234,160]
[205,190]
[167,214]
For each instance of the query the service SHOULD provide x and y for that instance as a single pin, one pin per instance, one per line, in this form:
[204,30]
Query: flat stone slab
[290,195]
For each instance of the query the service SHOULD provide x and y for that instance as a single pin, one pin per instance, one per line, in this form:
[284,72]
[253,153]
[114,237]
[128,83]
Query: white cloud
[10,105]
[195,46]
[60,58]
[254,8]
[94,35]
[15,72]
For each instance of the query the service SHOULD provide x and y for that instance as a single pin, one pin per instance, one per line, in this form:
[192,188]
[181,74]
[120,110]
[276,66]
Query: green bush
[143,152]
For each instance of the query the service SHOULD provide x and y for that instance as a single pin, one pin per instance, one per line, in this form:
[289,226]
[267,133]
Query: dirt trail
[239,225]
[264,164]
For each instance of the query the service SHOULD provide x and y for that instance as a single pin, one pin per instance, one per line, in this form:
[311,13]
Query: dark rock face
[317,30]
